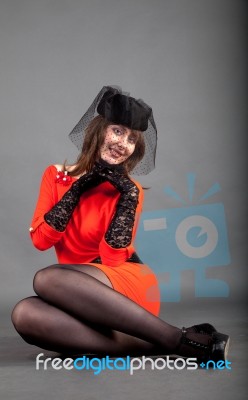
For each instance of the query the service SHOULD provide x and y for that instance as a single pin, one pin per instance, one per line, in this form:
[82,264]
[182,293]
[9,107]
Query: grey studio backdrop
[188,59]
[184,57]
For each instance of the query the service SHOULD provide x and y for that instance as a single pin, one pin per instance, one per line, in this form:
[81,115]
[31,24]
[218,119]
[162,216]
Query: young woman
[101,298]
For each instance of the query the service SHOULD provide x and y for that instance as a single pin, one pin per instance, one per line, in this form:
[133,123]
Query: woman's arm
[60,214]
[116,246]
[43,235]
[51,217]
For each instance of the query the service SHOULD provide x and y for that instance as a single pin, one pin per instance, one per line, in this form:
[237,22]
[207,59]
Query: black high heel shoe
[220,346]
[204,328]
[204,346]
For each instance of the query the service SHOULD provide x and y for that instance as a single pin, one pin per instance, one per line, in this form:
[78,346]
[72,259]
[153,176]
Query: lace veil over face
[119,107]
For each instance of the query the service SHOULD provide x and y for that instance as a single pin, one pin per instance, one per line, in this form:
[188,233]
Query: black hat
[120,108]
[124,110]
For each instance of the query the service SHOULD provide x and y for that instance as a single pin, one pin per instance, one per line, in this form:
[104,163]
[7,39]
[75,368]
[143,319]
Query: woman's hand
[119,233]
[59,216]
[88,181]
[115,174]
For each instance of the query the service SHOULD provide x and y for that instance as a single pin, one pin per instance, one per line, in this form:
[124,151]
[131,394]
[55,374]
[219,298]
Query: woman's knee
[22,315]
[44,278]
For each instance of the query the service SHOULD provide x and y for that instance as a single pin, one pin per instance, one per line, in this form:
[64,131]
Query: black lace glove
[119,233]
[59,216]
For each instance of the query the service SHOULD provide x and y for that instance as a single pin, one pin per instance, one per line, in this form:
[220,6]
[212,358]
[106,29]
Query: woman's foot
[202,328]
[203,346]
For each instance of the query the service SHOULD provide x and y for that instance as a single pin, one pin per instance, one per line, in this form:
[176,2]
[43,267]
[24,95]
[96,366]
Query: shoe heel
[220,346]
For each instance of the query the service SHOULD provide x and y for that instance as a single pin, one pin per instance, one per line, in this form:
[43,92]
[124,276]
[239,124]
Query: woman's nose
[123,140]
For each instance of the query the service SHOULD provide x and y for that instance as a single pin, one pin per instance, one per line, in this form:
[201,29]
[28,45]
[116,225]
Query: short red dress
[83,239]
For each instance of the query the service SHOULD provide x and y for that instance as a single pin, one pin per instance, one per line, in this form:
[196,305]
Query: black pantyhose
[50,328]
[77,313]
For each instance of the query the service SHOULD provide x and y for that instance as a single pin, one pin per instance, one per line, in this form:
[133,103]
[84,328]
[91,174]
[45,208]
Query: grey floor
[20,380]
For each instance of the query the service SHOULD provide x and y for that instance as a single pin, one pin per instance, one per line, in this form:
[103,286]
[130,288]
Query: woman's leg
[78,313]
[86,269]
[90,301]
[50,328]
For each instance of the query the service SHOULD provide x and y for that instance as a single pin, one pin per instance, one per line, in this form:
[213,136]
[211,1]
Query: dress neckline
[59,170]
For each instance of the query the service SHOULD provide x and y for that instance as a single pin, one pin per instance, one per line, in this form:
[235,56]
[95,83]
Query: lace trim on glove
[59,216]
[120,231]
[119,234]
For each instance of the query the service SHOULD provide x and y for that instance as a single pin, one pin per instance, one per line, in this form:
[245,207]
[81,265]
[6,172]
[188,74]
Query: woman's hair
[94,138]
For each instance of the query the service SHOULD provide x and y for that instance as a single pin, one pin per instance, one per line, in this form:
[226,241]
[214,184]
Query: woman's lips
[115,153]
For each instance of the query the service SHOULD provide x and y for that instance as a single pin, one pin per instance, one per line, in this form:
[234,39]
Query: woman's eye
[131,140]
[117,131]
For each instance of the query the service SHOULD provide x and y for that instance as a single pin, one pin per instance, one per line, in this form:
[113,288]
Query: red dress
[83,239]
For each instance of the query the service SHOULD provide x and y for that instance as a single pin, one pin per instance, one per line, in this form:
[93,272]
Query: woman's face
[118,145]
